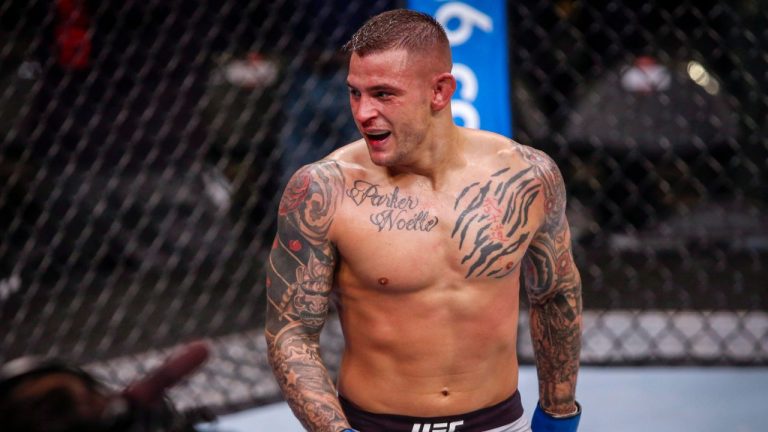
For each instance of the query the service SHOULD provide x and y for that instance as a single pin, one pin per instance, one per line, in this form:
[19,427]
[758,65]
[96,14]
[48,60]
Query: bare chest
[412,238]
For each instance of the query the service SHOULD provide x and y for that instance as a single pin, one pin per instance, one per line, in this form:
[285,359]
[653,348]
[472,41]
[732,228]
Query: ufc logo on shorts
[437,427]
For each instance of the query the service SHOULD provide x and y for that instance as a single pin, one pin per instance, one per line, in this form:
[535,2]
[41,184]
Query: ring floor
[615,399]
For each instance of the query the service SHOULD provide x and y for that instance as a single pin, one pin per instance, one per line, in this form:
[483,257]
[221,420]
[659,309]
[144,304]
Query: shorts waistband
[503,413]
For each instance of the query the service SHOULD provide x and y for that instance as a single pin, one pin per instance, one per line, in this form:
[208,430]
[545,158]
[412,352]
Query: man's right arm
[299,281]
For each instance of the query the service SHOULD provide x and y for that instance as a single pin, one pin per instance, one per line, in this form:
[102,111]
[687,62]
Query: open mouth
[378,136]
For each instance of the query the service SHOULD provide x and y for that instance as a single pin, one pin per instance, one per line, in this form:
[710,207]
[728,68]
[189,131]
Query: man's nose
[365,110]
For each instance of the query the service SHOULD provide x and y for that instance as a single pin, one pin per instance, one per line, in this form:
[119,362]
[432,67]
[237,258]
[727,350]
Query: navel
[383,281]
[445,391]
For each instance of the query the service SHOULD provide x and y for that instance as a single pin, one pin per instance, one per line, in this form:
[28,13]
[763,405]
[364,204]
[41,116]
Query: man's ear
[443,87]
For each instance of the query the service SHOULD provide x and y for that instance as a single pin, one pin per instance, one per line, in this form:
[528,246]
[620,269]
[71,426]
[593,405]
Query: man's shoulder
[353,160]
[537,159]
[340,160]
[510,153]
[322,169]
[328,175]
[353,153]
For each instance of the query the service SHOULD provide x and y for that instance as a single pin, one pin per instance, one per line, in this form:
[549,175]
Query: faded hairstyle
[399,29]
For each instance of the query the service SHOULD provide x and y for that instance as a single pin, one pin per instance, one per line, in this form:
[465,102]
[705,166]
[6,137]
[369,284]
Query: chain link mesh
[143,145]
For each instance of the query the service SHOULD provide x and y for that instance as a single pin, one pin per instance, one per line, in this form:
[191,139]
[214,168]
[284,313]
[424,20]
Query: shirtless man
[420,232]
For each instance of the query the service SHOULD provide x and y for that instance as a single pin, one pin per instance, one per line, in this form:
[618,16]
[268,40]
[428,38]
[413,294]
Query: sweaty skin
[421,234]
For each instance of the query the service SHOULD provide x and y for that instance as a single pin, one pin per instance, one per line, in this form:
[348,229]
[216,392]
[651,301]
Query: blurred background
[144,146]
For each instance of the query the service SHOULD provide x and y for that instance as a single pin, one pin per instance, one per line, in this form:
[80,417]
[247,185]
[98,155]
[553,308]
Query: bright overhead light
[700,76]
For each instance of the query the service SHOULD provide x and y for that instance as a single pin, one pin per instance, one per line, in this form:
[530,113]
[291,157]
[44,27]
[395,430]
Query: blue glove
[543,422]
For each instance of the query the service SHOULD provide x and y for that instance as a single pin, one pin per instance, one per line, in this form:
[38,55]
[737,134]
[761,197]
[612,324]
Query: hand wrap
[544,422]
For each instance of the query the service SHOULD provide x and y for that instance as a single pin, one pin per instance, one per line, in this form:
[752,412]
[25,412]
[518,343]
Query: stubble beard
[397,157]
[404,150]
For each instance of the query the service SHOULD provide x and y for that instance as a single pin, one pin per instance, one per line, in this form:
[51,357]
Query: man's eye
[354,92]
[382,94]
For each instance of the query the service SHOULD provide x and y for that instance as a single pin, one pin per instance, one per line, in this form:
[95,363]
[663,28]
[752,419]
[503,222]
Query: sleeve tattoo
[299,282]
[553,285]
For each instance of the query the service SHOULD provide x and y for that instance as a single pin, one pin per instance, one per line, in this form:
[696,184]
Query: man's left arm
[553,285]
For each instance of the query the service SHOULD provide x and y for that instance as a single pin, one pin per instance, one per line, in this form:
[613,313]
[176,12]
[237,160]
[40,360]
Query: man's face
[390,93]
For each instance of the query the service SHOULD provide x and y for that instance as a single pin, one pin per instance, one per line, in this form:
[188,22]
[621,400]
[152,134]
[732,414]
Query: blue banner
[477,31]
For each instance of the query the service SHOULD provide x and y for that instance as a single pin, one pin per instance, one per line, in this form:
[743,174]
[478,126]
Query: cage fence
[144,145]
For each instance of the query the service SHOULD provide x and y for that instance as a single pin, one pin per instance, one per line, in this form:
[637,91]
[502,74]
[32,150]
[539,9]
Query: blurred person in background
[48,395]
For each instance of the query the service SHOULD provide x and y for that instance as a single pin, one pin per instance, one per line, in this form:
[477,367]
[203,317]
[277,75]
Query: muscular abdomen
[443,349]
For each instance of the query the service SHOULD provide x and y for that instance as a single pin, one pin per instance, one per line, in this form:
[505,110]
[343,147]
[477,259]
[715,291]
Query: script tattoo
[553,285]
[400,211]
[498,211]
[299,281]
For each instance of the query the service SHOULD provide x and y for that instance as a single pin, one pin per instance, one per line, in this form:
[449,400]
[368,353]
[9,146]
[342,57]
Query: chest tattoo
[391,210]
[493,221]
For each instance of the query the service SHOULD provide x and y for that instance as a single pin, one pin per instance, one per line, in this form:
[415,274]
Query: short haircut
[399,29]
